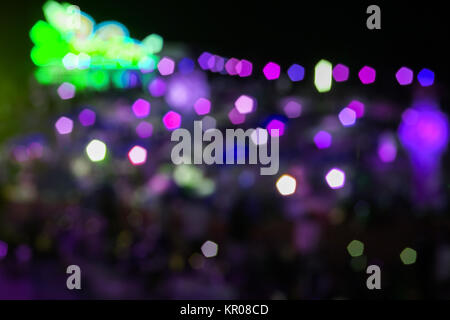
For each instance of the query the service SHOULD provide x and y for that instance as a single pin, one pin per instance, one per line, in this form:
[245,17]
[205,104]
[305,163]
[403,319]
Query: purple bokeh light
[323,139]
[141,108]
[367,75]
[87,117]
[157,87]
[404,76]
[202,106]
[64,125]
[172,120]
[340,73]
[271,71]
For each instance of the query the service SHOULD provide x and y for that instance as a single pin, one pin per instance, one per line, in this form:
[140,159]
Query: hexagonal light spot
[209,249]
[335,178]
[271,71]
[66,91]
[425,77]
[274,125]
[355,248]
[367,75]
[296,72]
[64,125]
[87,117]
[202,106]
[166,66]
[404,76]
[236,117]
[137,155]
[286,185]
[244,68]
[96,150]
[347,117]
[358,107]
[292,109]
[340,73]
[141,108]
[244,104]
[172,120]
[322,139]
[408,256]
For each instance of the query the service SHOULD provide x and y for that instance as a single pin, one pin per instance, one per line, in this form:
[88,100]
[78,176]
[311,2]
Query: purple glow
[296,72]
[216,63]
[186,65]
[387,148]
[424,131]
[404,76]
[340,73]
[66,91]
[172,120]
[184,90]
[276,125]
[202,106]
[335,178]
[157,87]
[203,60]
[358,107]
[236,117]
[425,77]
[3,249]
[166,66]
[64,125]
[292,109]
[144,129]
[87,117]
[347,117]
[323,139]
[244,68]
[141,108]
[244,104]
[271,71]
[367,75]
[230,66]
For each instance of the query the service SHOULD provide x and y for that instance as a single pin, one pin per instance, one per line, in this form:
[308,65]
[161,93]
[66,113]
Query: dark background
[413,34]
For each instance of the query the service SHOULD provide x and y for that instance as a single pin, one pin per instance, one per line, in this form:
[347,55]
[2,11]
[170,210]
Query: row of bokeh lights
[324,72]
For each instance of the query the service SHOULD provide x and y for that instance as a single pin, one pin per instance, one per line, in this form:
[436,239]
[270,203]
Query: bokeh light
[367,75]
[347,117]
[172,120]
[296,72]
[340,73]
[209,249]
[137,155]
[96,150]
[271,71]
[141,108]
[404,76]
[425,77]
[244,104]
[323,139]
[323,76]
[64,125]
[202,106]
[335,178]
[286,185]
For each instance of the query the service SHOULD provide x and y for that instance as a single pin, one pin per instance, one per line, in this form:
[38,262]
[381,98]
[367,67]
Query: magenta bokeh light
[236,117]
[141,108]
[202,106]
[404,76]
[340,73]
[358,107]
[157,87]
[323,139]
[367,75]
[172,120]
[87,117]
[271,71]
[277,125]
